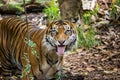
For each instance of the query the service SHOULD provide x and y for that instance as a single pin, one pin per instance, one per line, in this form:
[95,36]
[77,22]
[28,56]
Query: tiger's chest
[50,70]
[51,65]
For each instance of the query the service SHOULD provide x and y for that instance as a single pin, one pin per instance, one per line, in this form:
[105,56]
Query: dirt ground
[102,62]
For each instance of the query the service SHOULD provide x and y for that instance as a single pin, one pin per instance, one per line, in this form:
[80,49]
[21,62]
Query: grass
[40,1]
[1,4]
[86,33]
[88,14]
[86,37]
[52,11]
[16,6]
[87,17]
[118,2]
[114,13]
[13,6]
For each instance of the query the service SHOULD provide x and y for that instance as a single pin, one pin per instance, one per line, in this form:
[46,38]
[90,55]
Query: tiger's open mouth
[61,49]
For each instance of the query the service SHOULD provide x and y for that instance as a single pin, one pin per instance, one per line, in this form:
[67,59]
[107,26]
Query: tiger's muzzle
[61,47]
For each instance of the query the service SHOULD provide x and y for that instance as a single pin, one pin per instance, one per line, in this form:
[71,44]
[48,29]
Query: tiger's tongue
[61,50]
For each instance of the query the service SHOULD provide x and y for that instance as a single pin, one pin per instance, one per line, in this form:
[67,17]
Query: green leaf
[30,43]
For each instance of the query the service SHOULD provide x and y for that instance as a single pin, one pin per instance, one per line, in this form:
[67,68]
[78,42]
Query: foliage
[13,5]
[32,46]
[27,66]
[118,3]
[86,38]
[16,6]
[114,13]
[88,14]
[1,3]
[87,17]
[52,11]
[60,75]
[40,1]
[96,9]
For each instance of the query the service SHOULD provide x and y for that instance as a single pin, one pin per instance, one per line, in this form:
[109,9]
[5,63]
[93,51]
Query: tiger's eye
[53,32]
[68,32]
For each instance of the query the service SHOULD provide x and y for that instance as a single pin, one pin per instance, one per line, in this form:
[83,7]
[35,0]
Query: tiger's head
[60,35]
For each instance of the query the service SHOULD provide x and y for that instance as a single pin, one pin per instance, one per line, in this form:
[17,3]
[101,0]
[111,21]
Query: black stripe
[49,61]
[47,40]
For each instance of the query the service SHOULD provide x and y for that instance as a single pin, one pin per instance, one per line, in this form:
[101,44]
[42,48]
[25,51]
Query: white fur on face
[51,43]
[47,44]
[72,39]
[67,27]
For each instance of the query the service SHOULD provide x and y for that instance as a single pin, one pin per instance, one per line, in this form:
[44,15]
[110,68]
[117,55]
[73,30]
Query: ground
[101,62]
[98,63]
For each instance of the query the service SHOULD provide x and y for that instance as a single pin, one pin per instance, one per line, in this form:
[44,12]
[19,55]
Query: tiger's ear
[73,24]
[76,21]
[49,22]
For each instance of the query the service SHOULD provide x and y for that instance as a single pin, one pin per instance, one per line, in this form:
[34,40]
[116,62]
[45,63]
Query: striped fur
[13,46]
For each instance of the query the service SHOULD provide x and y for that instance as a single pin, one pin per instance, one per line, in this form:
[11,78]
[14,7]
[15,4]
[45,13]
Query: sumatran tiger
[29,51]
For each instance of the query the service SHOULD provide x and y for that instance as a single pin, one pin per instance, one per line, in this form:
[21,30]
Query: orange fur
[58,37]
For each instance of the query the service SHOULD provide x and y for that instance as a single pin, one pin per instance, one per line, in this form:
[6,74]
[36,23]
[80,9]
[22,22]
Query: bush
[86,37]
[52,11]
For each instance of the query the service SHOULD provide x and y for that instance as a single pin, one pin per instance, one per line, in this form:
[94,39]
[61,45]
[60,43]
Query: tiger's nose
[61,42]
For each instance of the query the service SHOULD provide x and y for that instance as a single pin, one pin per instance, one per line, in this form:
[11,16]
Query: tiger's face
[61,36]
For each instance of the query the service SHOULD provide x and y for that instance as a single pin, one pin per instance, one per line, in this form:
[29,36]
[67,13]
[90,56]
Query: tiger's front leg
[27,71]
[29,76]
[55,69]
[31,68]
[31,72]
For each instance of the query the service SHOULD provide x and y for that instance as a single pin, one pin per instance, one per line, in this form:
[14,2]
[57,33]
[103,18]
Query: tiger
[50,44]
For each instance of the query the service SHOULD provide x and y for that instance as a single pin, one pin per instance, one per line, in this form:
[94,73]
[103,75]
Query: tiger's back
[13,34]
